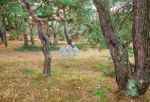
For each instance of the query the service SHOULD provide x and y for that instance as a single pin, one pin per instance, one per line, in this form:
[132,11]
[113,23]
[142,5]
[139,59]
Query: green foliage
[131,88]
[82,46]
[13,35]
[36,48]
[101,93]
[29,1]
[54,47]
[15,10]
[96,40]
[45,11]
[29,48]
[71,3]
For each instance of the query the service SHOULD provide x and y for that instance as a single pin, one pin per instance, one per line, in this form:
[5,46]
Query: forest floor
[86,78]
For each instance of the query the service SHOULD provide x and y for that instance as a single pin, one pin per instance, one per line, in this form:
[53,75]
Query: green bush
[81,46]
[29,48]
[13,35]
[54,47]
[36,48]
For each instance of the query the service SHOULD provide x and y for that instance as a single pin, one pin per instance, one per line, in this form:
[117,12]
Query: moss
[131,88]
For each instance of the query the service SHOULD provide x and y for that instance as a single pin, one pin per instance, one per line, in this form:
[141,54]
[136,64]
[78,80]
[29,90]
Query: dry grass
[72,80]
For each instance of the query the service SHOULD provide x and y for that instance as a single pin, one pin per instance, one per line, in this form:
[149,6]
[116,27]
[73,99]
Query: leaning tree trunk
[45,43]
[132,84]
[44,40]
[68,38]
[118,51]
[54,33]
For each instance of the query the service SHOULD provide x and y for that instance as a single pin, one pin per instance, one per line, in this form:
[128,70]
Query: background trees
[77,21]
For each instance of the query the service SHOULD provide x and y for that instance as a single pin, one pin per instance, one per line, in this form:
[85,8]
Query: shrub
[81,46]
[36,48]
[29,48]
[54,47]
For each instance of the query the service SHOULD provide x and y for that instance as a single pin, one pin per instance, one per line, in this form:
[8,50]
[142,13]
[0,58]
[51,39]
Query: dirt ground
[73,79]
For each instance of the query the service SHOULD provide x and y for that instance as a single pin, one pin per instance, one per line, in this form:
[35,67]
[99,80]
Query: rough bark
[45,43]
[141,77]
[44,40]
[141,44]
[118,51]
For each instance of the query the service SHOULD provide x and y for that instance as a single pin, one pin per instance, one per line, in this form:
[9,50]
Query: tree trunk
[118,51]
[141,44]
[45,49]
[44,40]
[26,41]
[31,34]
[68,38]
[4,32]
[135,84]
[54,33]
[55,38]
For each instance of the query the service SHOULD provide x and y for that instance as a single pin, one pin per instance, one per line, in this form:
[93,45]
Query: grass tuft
[106,69]
[28,71]
[101,93]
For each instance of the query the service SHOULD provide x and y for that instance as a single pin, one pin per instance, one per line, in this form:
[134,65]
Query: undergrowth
[81,46]
[36,48]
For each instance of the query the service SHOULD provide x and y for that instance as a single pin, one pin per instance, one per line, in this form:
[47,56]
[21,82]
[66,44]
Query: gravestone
[75,51]
[62,52]
[68,51]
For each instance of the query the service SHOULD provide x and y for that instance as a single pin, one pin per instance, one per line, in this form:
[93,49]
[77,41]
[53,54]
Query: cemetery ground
[87,78]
